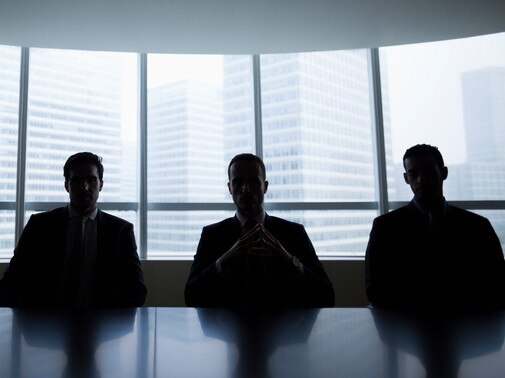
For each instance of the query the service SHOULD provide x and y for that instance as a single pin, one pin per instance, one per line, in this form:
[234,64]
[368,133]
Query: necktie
[78,246]
[71,282]
[255,274]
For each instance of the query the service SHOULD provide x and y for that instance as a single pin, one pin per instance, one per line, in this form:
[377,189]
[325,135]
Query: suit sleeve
[132,290]
[492,269]
[377,290]
[316,287]
[204,281]
[14,287]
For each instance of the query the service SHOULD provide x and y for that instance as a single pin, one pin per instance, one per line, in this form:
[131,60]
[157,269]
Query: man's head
[83,180]
[247,183]
[425,172]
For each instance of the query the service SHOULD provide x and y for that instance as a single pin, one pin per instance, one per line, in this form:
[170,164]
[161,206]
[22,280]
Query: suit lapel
[236,229]
[60,236]
[101,233]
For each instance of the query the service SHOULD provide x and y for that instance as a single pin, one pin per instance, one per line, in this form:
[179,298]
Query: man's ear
[101,185]
[229,187]
[406,178]
[66,186]
[445,173]
[266,187]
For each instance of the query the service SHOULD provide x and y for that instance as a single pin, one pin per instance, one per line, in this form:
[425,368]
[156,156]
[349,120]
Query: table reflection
[442,342]
[76,334]
[257,334]
[188,342]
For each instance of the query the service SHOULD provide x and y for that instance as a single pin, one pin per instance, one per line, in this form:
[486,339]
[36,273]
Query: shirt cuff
[218,266]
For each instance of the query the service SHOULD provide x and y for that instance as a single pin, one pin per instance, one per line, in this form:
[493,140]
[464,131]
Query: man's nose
[246,187]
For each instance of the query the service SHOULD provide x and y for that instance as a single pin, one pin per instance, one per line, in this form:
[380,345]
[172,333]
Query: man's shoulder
[465,215]
[225,223]
[395,215]
[111,219]
[281,222]
[59,212]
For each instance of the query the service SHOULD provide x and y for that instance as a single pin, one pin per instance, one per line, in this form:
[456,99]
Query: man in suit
[254,259]
[430,255]
[77,255]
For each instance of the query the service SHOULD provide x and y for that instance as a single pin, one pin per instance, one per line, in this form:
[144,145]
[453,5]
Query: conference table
[206,343]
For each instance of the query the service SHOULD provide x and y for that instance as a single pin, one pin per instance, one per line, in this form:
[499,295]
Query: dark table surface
[206,343]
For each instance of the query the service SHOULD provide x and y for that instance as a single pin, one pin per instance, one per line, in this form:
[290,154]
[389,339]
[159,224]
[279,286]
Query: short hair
[424,150]
[81,158]
[247,157]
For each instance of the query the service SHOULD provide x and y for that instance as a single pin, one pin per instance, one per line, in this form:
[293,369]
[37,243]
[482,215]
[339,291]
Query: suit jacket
[410,264]
[257,281]
[34,275]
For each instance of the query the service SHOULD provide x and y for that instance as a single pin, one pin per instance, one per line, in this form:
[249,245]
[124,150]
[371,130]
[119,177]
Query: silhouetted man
[254,259]
[430,255]
[77,255]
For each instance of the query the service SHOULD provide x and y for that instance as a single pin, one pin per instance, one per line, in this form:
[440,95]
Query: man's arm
[15,283]
[316,288]
[375,266]
[492,269]
[204,281]
[132,290]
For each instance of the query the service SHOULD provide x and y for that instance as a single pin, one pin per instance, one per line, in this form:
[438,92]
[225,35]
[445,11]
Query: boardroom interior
[330,94]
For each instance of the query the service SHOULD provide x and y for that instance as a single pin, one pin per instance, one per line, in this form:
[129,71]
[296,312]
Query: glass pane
[176,233]
[317,126]
[7,219]
[334,232]
[81,101]
[450,94]
[200,113]
[9,113]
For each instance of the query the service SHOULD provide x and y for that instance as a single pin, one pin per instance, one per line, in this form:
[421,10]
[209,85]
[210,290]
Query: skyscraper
[317,139]
[185,160]
[74,104]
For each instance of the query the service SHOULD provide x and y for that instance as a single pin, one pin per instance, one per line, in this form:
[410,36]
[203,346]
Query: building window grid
[20,205]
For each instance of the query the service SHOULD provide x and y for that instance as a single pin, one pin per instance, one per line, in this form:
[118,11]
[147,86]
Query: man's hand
[256,242]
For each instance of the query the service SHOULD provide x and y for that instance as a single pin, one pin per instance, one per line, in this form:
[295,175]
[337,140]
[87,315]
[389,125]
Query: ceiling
[242,26]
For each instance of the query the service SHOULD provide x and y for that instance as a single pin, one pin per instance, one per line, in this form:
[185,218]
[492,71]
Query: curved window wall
[326,123]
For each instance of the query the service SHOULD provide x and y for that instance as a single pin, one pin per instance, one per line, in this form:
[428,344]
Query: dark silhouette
[430,255]
[255,259]
[257,334]
[77,255]
[441,342]
[77,333]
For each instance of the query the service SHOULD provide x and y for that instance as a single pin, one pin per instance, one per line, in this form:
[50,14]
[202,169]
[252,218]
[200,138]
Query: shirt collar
[442,208]
[73,213]
[260,217]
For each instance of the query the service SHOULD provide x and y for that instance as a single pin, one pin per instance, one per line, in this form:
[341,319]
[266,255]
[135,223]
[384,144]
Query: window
[450,94]
[311,115]
[9,111]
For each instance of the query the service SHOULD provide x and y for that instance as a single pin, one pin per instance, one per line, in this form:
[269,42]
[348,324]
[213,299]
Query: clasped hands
[256,242]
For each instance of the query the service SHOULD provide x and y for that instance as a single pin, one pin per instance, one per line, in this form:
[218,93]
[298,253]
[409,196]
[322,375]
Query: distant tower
[317,141]
[484,114]
[185,161]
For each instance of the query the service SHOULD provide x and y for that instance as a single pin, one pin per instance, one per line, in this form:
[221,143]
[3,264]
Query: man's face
[84,185]
[247,187]
[425,178]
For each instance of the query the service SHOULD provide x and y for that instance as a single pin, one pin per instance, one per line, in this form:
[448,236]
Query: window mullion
[378,128]
[258,126]
[142,125]
[22,136]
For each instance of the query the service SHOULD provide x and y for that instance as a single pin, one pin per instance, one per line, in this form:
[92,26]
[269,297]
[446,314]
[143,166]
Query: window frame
[142,206]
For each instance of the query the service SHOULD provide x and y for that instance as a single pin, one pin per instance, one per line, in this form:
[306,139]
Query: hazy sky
[425,91]
[424,82]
